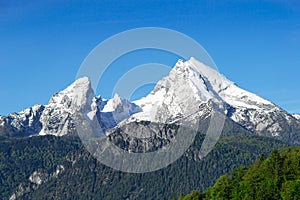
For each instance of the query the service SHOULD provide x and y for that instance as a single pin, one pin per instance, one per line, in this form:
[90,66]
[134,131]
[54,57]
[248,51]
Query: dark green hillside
[85,178]
[20,157]
[275,177]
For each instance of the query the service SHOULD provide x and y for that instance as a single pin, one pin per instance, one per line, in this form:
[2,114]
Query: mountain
[205,84]
[50,167]
[24,123]
[116,110]
[297,116]
[57,117]
[191,88]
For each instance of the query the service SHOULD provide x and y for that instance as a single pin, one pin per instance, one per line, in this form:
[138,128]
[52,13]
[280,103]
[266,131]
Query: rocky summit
[191,88]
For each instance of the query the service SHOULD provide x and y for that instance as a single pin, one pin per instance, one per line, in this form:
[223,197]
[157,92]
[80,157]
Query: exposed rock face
[59,115]
[297,116]
[207,85]
[191,89]
[36,179]
[24,123]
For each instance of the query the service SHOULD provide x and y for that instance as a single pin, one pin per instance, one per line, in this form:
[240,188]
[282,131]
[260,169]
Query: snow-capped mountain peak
[115,110]
[58,116]
[170,97]
[194,79]
[77,94]
[223,87]
[217,81]
[190,88]
[112,104]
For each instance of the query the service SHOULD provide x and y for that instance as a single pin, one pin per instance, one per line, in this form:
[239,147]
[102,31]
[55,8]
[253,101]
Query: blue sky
[43,43]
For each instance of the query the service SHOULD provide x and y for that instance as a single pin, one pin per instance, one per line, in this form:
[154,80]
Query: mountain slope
[42,167]
[24,123]
[57,117]
[297,116]
[206,85]
[191,89]
[276,177]
[68,171]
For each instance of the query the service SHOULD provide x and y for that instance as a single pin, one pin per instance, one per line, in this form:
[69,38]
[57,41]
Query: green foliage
[290,190]
[20,157]
[89,179]
[222,189]
[276,177]
[195,195]
[85,178]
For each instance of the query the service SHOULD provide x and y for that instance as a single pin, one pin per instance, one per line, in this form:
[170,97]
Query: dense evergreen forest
[275,177]
[83,177]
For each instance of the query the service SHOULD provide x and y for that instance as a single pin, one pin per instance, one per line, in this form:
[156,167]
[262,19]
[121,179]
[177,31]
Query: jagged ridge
[191,86]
